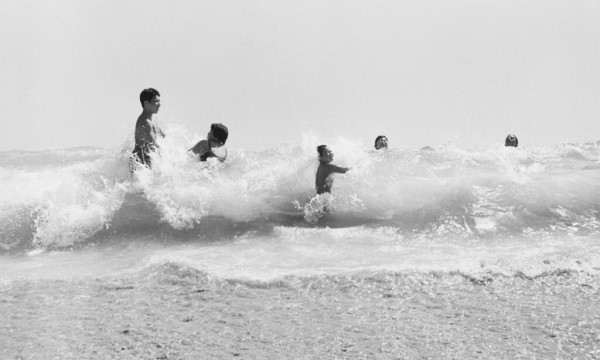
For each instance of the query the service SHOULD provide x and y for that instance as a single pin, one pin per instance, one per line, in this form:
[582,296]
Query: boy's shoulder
[327,167]
[332,167]
[327,164]
[143,120]
[200,147]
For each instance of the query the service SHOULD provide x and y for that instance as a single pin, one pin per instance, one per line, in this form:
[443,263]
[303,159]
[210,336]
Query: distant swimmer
[146,130]
[381,142]
[324,178]
[511,140]
[213,146]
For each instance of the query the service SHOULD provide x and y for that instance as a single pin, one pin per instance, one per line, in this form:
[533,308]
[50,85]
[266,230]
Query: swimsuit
[141,153]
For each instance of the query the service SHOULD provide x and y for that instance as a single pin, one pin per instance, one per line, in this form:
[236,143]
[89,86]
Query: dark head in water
[511,140]
[325,154]
[219,133]
[213,145]
[381,142]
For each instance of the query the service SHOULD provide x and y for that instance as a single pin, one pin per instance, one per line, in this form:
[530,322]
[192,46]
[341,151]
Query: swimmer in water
[324,178]
[511,140]
[146,129]
[381,142]
[213,145]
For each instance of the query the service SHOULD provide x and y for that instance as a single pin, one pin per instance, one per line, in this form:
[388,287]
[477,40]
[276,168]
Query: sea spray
[437,252]
[59,198]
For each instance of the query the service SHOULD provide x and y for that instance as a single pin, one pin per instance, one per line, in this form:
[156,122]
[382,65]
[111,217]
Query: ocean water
[441,252]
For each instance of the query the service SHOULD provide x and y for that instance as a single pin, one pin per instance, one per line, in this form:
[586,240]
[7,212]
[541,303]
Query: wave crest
[65,197]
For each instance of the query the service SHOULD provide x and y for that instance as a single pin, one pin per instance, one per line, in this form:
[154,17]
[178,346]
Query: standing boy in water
[324,178]
[213,145]
[146,130]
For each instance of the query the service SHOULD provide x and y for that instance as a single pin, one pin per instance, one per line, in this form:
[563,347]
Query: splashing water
[429,203]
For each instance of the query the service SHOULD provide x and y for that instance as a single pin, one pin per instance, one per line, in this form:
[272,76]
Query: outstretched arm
[339,169]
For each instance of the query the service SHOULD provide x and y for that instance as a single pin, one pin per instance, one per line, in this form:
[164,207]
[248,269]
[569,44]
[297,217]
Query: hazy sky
[423,72]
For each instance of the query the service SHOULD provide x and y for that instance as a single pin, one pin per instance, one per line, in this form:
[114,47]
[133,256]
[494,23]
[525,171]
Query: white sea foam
[433,206]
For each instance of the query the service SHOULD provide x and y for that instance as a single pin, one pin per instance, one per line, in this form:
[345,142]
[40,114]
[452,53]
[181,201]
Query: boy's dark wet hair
[220,132]
[511,140]
[321,149]
[380,137]
[148,94]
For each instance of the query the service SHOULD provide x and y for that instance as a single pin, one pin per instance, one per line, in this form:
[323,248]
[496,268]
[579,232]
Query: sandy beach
[174,312]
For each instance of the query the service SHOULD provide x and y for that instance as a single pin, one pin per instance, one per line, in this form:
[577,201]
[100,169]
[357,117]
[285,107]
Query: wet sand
[175,312]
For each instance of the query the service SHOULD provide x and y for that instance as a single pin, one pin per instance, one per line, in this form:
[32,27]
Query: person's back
[324,178]
[213,146]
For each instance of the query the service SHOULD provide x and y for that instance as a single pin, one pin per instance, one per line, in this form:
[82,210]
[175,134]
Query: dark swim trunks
[141,154]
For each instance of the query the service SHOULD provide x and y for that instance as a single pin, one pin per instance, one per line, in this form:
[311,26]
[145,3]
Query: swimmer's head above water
[325,154]
[381,142]
[511,140]
[218,135]
[150,100]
